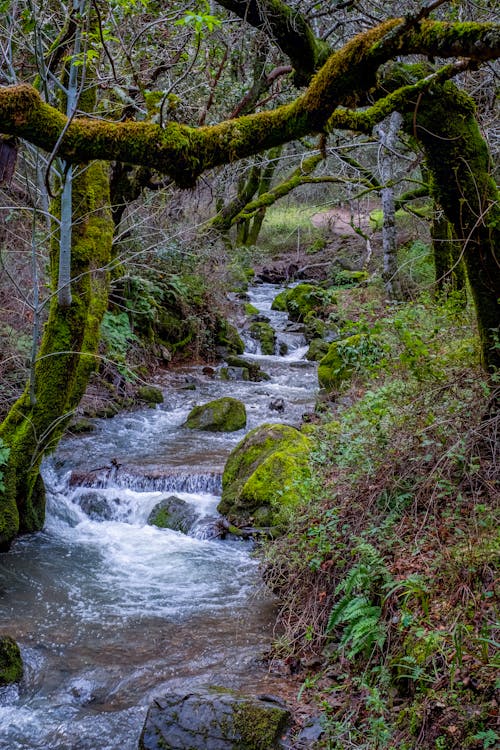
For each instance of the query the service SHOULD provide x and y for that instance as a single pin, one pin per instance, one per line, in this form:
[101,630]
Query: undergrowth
[387,576]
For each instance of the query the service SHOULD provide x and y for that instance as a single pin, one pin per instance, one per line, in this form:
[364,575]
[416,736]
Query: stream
[111,612]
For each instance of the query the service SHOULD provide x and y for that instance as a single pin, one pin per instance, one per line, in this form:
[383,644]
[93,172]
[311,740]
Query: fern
[360,616]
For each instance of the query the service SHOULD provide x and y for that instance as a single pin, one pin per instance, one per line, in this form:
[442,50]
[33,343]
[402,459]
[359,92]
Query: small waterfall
[149,480]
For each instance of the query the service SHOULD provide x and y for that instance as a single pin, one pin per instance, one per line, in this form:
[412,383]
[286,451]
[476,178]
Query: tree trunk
[67,357]
[459,161]
[388,134]
[447,254]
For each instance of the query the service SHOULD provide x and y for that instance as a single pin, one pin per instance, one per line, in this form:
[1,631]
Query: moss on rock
[318,348]
[229,338]
[150,394]
[222,415]
[304,299]
[264,333]
[345,357]
[11,664]
[263,474]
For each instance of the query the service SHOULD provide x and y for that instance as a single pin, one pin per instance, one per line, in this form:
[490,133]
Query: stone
[304,299]
[263,475]
[222,415]
[150,394]
[173,513]
[255,374]
[11,663]
[216,719]
[265,335]
[317,350]
[97,506]
[346,356]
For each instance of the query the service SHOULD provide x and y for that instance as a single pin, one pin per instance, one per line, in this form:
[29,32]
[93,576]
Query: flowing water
[111,612]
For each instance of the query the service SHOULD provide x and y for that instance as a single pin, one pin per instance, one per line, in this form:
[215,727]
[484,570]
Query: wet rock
[81,426]
[11,664]
[150,394]
[234,373]
[264,333]
[98,507]
[277,404]
[173,513]
[221,415]
[255,374]
[214,720]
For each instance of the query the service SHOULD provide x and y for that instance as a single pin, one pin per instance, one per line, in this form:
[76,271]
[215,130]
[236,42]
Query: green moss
[347,356]
[228,337]
[222,415]
[65,360]
[259,726]
[250,309]
[11,664]
[263,475]
[150,394]
[279,302]
[317,350]
[303,300]
[264,333]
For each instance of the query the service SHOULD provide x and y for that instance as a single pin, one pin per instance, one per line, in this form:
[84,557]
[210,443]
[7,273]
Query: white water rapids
[111,612]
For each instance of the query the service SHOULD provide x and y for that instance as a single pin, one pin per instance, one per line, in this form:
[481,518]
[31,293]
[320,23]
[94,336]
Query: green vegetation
[11,665]
[386,571]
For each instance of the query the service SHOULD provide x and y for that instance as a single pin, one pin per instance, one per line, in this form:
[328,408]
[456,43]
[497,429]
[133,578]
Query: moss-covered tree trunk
[447,255]
[66,357]
[459,162]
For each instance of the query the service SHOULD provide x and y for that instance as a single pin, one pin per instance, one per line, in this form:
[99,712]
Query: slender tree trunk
[388,134]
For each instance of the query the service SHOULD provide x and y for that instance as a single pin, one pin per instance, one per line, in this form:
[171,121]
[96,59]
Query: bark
[184,153]
[388,134]
[447,254]
[66,357]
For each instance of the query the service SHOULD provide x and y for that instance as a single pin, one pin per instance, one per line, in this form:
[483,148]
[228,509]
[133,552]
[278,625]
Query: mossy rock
[303,299]
[263,474]
[222,415]
[229,339]
[250,309]
[279,302]
[82,425]
[218,719]
[265,334]
[318,348]
[350,278]
[11,663]
[172,513]
[347,356]
[150,394]
[255,374]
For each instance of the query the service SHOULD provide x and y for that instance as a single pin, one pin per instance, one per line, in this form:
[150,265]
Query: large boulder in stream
[11,664]
[173,513]
[222,415]
[304,299]
[215,719]
[263,476]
